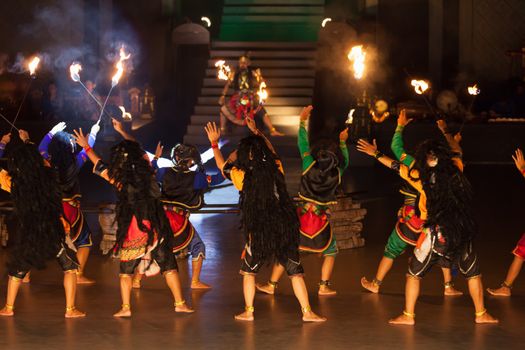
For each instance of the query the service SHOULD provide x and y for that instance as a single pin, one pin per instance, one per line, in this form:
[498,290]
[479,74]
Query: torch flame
[473,90]
[357,57]
[125,115]
[33,65]
[120,67]
[74,70]
[420,86]
[263,93]
[223,71]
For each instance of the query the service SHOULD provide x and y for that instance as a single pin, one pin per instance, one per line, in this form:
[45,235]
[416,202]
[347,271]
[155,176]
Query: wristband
[378,155]
[88,148]
[522,171]
[214,145]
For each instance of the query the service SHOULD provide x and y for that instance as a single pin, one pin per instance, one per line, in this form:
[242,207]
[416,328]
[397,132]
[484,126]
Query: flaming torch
[116,78]
[223,71]
[262,93]
[420,86]
[472,91]
[32,66]
[357,56]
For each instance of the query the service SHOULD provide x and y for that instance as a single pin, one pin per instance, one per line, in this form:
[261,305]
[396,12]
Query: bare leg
[269,125]
[173,282]
[271,285]
[125,294]
[475,287]
[449,285]
[137,278]
[27,278]
[12,290]
[70,288]
[512,274]
[223,121]
[301,293]
[248,289]
[196,267]
[384,266]
[82,256]
[411,295]
[326,273]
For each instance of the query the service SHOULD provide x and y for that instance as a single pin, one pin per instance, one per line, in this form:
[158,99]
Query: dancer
[409,225]
[449,229]
[268,218]
[519,252]
[143,229]
[244,103]
[323,166]
[58,147]
[182,191]
[40,234]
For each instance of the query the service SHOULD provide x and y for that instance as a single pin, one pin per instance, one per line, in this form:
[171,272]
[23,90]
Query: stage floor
[356,319]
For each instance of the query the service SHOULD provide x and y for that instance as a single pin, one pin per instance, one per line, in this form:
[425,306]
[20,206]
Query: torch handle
[20,107]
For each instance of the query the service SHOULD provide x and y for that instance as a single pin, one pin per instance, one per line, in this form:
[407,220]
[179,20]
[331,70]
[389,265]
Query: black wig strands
[62,152]
[138,193]
[269,219]
[449,195]
[38,206]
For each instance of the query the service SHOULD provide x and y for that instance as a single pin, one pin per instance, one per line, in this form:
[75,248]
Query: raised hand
[6,139]
[305,113]
[402,119]
[213,132]
[343,135]
[24,136]
[365,147]
[251,125]
[80,138]
[442,125]
[57,128]
[158,150]
[117,125]
[519,160]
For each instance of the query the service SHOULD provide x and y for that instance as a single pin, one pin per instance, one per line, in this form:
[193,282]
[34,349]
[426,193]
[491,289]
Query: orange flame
[33,65]
[420,86]
[125,115]
[473,90]
[223,71]
[263,93]
[357,56]
[120,67]
[74,70]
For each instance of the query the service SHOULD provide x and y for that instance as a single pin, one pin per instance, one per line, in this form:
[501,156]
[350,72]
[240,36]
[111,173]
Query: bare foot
[81,279]
[265,288]
[199,285]
[7,311]
[310,316]
[124,312]
[486,318]
[74,313]
[274,132]
[326,291]
[403,320]
[370,286]
[135,283]
[499,292]
[26,279]
[184,308]
[245,316]
[451,291]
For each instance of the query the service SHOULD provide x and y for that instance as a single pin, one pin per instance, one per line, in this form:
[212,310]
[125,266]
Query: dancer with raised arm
[409,224]
[322,167]
[519,252]
[268,217]
[143,229]
[445,204]
[40,234]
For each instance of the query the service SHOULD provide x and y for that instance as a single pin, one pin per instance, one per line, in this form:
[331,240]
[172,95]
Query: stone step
[274,2]
[275,45]
[216,92]
[272,101]
[267,63]
[271,19]
[274,10]
[202,139]
[272,82]
[289,122]
[235,54]
[272,110]
[278,73]
[198,129]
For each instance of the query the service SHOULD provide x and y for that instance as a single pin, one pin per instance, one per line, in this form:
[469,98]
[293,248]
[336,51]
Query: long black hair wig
[138,193]
[268,215]
[38,206]
[449,195]
[63,159]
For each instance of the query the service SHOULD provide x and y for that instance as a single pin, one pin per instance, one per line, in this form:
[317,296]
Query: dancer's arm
[343,136]
[226,88]
[397,145]
[519,160]
[214,135]
[117,125]
[453,140]
[82,156]
[5,179]
[83,141]
[44,144]
[3,143]
[302,138]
